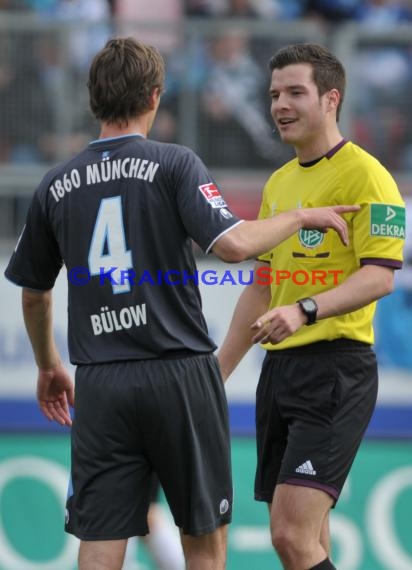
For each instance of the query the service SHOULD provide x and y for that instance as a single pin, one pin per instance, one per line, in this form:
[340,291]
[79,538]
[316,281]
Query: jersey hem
[222,234]
[129,534]
[26,284]
[115,536]
[322,345]
[382,262]
[313,484]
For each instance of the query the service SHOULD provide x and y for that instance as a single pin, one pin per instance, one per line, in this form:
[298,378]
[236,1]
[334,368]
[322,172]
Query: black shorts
[133,419]
[313,406]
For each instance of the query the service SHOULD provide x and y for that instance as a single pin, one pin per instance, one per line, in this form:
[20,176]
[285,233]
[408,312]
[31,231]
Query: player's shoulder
[167,149]
[58,172]
[173,158]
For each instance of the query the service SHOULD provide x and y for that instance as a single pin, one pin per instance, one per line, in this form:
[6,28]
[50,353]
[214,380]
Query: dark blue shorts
[133,419]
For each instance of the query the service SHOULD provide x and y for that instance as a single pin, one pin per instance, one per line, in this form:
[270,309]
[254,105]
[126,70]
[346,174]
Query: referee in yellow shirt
[311,306]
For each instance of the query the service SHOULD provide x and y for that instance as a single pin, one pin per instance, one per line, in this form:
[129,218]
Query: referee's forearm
[365,286]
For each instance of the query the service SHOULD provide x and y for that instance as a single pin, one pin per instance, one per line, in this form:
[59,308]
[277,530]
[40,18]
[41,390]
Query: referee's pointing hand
[328,217]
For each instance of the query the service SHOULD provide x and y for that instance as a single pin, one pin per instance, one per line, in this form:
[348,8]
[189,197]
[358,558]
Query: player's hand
[328,217]
[55,393]
[277,324]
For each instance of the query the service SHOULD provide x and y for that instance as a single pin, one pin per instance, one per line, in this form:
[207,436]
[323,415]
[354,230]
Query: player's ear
[155,98]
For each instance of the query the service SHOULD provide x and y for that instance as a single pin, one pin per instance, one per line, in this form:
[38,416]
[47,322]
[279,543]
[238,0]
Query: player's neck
[136,126]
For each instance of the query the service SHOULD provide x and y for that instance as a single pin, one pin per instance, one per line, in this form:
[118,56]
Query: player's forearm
[264,235]
[37,311]
[365,286]
[251,238]
[253,300]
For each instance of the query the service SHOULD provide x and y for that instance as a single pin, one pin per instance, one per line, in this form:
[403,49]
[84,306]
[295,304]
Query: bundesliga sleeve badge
[212,195]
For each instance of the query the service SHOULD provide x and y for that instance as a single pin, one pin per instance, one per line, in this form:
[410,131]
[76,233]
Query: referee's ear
[333,99]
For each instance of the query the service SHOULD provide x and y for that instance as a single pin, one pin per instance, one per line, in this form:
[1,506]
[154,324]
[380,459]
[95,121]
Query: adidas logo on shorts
[306,468]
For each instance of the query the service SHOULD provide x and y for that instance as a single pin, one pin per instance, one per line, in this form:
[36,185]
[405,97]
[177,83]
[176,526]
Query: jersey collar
[328,155]
[115,139]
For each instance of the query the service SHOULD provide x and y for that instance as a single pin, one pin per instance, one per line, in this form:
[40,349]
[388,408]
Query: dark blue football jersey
[121,216]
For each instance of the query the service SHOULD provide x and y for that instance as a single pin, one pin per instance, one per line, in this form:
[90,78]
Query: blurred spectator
[383,78]
[61,56]
[330,11]
[153,21]
[22,94]
[90,30]
[382,14]
[158,23]
[289,9]
[185,76]
[13,5]
[198,8]
[235,130]
[240,9]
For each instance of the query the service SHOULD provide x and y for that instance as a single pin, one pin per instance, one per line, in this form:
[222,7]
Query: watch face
[309,305]
[310,308]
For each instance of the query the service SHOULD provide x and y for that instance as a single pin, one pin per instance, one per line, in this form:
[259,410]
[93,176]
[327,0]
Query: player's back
[120,214]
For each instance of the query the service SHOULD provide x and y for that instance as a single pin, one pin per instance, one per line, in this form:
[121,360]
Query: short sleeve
[379,227]
[36,260]
[201,206]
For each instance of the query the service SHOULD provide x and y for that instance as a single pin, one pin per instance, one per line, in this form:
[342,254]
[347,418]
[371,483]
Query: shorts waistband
[322,346]
[168,355]
[177,354]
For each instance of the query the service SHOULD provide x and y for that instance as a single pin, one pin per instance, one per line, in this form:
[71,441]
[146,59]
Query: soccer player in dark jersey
[318,384]
[149,396]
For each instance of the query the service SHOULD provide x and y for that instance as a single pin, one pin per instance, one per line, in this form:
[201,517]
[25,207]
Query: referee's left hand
[277,324]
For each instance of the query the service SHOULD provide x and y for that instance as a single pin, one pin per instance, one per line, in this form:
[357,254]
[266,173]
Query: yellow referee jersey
[310,262]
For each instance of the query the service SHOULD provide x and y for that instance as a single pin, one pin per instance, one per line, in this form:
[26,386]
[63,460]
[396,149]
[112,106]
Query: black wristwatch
[309,308]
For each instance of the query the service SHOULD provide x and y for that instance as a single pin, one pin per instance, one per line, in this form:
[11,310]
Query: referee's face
[300,114]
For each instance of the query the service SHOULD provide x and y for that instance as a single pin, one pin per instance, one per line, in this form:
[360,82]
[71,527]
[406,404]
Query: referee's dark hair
[122,78]
[328,71]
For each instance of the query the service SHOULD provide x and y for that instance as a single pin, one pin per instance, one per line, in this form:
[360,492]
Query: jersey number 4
[108,256]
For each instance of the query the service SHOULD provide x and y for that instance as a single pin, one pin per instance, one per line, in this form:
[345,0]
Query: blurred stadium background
[215,102]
